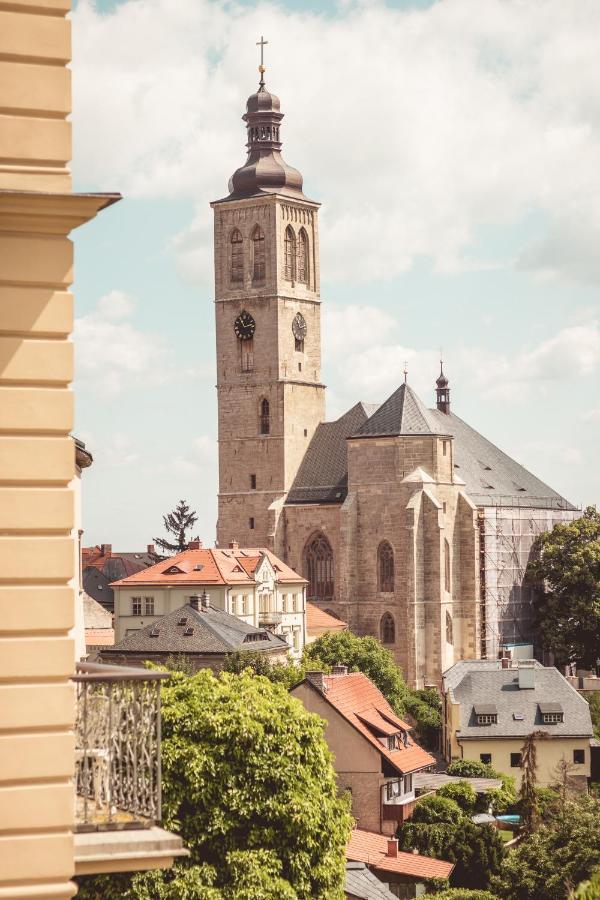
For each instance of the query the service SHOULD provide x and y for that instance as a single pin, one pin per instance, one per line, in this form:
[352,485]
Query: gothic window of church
[265,424]
[446,565]
[318,566]
[388,629]
[247,355]
[237,256]
[385,560]
[449,635]
[290,254]
[258,254]
[302,258]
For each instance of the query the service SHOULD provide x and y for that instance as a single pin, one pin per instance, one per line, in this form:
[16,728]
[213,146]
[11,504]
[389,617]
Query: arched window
[447,584]
[290,254]
[258,254]
[265,424]
[385,565]
[388,629]
[302,258]
[236,266]
[449,635]
[318,568]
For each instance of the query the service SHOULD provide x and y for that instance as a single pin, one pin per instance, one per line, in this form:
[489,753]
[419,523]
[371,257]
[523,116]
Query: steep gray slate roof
[500,687]
[491,477]
[214,631]
[402,413]
[323,473]
[360,882]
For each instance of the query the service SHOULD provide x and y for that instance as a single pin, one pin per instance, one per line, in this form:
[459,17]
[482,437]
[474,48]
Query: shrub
[434,810]
[462,793]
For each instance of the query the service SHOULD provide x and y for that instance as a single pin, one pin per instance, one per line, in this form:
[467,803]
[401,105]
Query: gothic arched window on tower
[236,269]
[265,423]
[449,635]
[387,629]
[290,254]
[447,578]
[385,565]
[318,568]
[302,258]
[258,254]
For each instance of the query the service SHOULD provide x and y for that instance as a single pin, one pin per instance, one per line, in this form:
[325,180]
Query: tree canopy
[177,523]
[565,567]
[249,785]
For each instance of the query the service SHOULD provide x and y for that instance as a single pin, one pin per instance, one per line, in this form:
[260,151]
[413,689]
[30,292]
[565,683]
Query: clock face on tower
[244,326]
[299,327]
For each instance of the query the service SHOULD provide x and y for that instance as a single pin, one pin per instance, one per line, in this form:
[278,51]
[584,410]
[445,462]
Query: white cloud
[111,353]
[454,121]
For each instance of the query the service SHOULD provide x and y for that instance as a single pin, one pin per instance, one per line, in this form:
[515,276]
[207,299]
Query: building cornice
[50,213]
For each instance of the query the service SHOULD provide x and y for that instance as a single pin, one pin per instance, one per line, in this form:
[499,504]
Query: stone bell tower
[268,330]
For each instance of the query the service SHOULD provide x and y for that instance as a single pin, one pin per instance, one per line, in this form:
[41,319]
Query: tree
[563,851]
[566,784]
[462,793]
[249,785]
[178,523]
[501,799]
[463,894]
[288,673]
[434,809]
[565,568]
[367,655]
[594,702]
[528,799]
[471,768]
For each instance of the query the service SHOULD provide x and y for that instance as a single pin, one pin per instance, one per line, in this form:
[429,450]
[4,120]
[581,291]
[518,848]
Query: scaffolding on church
[507,533]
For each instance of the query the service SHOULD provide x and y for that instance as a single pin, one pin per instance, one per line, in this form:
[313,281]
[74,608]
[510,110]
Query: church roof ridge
[403,413]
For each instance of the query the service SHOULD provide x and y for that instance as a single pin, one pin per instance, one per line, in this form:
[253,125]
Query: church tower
[268,331]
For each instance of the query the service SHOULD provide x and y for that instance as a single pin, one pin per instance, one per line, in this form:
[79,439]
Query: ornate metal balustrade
[117,750]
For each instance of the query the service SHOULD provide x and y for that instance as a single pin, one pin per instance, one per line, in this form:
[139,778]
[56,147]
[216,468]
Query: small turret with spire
[442,391]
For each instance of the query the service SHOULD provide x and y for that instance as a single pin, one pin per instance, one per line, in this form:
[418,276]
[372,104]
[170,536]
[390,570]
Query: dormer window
[552,713]
[397,741]
[486,714]
[173,570]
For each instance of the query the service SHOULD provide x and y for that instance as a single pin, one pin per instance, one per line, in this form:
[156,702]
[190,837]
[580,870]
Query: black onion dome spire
[442,391]
[264,172]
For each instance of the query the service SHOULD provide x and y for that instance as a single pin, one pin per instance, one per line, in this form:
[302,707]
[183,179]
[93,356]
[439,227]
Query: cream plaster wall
[549,754]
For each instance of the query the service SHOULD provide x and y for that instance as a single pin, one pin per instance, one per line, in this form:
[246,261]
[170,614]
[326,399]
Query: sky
[454,147]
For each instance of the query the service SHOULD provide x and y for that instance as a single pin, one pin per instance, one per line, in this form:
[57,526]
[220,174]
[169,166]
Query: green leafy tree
[565,567]
[367,655]
[463,894]
[177,523]
[501,799]
[528,798]
[434,809]
[588,890]
[461,793]
[563,852]
[471,768]
[287,673]
[248,783]
[594,702]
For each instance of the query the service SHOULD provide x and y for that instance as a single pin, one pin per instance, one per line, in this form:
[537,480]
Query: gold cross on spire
[261,68]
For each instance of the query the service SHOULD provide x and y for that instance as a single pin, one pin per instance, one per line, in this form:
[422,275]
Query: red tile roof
[319,620]
[96,637]
[218,566]
[371,848]
[359,701]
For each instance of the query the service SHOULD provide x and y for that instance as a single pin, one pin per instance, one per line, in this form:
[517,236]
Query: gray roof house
[492,706]
[205,636]
[362,884]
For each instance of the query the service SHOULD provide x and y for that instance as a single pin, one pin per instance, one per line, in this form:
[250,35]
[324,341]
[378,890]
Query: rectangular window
[515,760]
[553,718]
[296,638]
[408,784]
[253,482]
[486,758]
[244,605]
[149,606]
[285,603]
[136,606]
[299,345]
[393,789]
[247,355]
[251,522]
[579,757]
[296,607]
[491,719]
[444,447]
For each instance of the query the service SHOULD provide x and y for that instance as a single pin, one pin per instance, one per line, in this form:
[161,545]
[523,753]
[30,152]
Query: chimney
[526,674]
[195,544]
[233,545]
[505,662]
[392,847]
[205,600]
[318,679]
[339,670]
[195,601]
[150,549]
[106,549]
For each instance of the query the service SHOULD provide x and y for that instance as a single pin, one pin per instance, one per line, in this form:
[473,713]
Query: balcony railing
[117,750]
[270,618]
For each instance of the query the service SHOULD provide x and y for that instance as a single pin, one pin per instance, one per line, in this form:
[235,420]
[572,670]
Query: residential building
[102,565]
[404,874]
[42,752]
[407,523]
[99,631]
[252,584]
[375,755]
[319,622]
[361,884]
[491,706]
[198,632]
